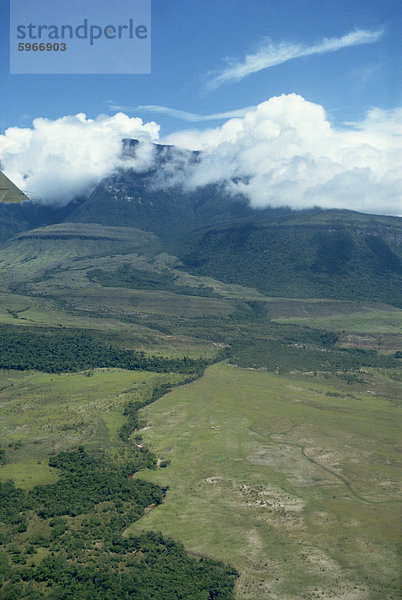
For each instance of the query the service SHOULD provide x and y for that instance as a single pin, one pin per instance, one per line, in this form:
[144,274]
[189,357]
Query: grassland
[359,325]
[293,480]
[42,414]
[44,312]
[386,320]
[63,539]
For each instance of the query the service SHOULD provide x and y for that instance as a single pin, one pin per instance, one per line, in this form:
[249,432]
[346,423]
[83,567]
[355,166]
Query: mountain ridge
[278,251]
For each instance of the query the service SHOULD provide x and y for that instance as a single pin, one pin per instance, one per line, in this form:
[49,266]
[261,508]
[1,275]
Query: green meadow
[387,320]
[42,414]
[291,476]
[46,312]
[293,480]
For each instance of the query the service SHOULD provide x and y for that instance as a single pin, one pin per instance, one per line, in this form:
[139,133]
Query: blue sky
[191,42]
[293,102]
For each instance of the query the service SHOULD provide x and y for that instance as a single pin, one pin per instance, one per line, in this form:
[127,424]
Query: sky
[300,99]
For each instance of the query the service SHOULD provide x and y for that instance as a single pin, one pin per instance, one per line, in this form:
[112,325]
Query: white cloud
[271,54]
[286,152]
[61,159]
[283,152]
[183,114]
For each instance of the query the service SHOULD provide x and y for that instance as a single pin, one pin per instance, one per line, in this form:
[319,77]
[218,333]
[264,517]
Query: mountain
[148,200]
[331,254]
[15,218]
[297,254]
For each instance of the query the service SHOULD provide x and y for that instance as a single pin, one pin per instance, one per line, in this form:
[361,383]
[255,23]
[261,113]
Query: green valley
[198,400]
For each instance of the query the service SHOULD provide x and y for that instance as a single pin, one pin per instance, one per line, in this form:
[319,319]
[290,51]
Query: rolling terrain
[290,479]
[227,377]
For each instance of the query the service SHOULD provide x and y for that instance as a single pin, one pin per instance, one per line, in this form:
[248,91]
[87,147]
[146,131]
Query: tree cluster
[62,351]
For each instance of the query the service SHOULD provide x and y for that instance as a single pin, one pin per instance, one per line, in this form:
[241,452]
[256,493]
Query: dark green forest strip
[277,355]
[62,351]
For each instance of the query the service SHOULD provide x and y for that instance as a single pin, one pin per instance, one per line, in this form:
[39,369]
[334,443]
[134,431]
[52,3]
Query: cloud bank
[284,152]
[287,153]
[67,157]
[270,54]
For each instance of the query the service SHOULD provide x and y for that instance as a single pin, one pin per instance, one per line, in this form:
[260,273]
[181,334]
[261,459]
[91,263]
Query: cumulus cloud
[271,54]
[286,152]
[66,157]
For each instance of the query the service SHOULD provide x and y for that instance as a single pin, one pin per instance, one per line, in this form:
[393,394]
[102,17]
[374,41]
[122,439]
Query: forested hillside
[332,255]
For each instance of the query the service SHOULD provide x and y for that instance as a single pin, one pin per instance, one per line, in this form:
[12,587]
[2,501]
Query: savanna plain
[260,435]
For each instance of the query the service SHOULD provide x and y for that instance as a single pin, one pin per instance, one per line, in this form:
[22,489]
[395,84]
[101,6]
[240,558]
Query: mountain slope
[332,254]
[16,218]
[297,254]
[148,200]
[32,254]
[129,199]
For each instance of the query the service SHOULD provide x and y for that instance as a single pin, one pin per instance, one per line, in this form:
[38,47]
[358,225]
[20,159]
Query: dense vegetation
[63,541]
[129,277]
[277,355]
[15,218]
[147,567]
[318,260]
[85,481]
[247,337]
[61,351]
